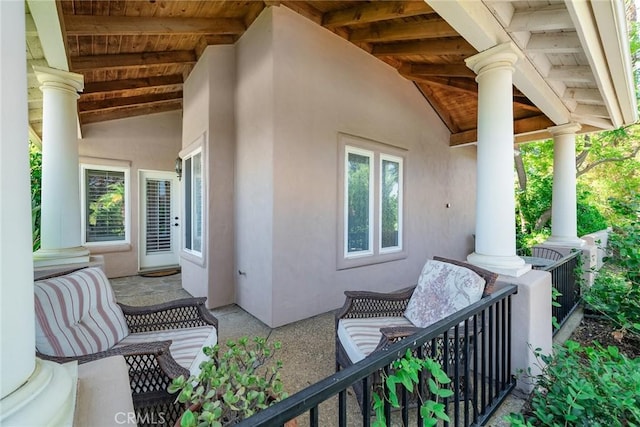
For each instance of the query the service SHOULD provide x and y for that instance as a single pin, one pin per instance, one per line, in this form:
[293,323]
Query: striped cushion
[359,337]
[186,345]
[77,314]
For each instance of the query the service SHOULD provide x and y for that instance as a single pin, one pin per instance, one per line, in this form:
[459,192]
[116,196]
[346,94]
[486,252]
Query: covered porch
[267,105]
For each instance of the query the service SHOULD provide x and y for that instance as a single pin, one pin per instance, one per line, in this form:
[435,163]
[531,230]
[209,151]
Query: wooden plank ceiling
[136,54]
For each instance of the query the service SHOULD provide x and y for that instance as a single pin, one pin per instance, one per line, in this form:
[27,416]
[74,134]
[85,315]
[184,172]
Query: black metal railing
[565,278]
[482,376]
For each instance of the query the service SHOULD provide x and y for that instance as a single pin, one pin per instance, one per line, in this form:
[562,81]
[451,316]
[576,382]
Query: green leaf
[188,419]
[444,393]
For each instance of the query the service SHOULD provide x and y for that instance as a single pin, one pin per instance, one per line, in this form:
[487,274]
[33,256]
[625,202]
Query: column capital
[51,77]
[504,55]
[565,129]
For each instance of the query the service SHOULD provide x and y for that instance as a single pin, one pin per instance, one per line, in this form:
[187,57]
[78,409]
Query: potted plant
[231,387]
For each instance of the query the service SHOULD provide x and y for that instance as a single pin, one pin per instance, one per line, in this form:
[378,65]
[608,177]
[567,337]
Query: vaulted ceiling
[135,55]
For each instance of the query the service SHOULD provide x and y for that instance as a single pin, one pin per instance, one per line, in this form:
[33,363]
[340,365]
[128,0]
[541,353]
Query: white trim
[349,149]
[45,17]
[611,21]
[473,21]
[83,205]
[105,162]
[587,30]
[400,162]
[376,151]
[197,146]
[176,202]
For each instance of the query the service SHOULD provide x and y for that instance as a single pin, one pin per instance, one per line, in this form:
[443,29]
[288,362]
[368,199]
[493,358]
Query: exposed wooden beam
[442,112]
[456,83]
[387,32]
[124,112]
[115,103]
[373,12]
[132,60]
[567,42]
[209,40]
[129,84]
[524,103]
[576,74]
[547,19]
[305,9]
[526,125]
[456,46]
[89,25]
[437,70]
[255,8]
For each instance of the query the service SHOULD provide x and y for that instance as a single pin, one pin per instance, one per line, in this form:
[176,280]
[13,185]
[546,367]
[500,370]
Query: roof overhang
[601,29]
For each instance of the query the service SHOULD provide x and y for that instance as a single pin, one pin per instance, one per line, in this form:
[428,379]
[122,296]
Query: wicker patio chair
[543,252]
[380,320]
[77,318]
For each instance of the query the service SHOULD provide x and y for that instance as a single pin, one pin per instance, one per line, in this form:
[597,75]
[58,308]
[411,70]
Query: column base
[47,398]
[61,256]
[571,242]
[507,265]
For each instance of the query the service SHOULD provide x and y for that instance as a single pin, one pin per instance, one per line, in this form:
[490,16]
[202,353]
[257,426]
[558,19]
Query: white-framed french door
[159,220]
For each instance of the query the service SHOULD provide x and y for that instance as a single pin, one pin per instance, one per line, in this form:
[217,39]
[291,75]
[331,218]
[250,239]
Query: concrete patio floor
[308,346]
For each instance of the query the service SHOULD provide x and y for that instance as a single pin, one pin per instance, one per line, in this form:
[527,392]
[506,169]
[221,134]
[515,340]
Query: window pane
[158,216]
[193,203]
[390,209]
[358,205]
[197,203]
[187,204]
[105,205]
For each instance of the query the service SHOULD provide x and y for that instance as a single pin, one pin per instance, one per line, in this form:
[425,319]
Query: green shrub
[232,387]
[585,386]
[623,251]
[405,373]
[617,298]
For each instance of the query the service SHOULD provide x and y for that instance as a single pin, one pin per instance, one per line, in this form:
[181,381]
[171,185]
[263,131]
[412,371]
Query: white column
[495,204]
[33,392]
[564,228]
[60,210]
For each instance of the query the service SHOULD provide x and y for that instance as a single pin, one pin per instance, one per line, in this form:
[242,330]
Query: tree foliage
[35,162]
[608,183]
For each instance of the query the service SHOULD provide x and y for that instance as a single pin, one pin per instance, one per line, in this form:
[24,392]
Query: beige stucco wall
[209,114]
[255,100]
[148,142]
[298,87]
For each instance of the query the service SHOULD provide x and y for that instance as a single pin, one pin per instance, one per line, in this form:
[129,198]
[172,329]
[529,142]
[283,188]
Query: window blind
[105,205]
[158,216]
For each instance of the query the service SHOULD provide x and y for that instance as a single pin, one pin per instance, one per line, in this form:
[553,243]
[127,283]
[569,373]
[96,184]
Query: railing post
[531,320]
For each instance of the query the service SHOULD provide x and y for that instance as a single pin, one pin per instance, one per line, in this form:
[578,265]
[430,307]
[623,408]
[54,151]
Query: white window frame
[127,204]
[370,155]
[195,148]
[377,152]
[400,161]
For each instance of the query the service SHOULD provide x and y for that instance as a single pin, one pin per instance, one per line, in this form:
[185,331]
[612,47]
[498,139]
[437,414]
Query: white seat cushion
[442,290]
[186,345]
[359,337]
[77,314]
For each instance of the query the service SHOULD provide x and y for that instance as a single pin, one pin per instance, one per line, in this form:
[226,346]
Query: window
[371,201]
[359,202]
[193,198]
[390,203]
[105,205]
